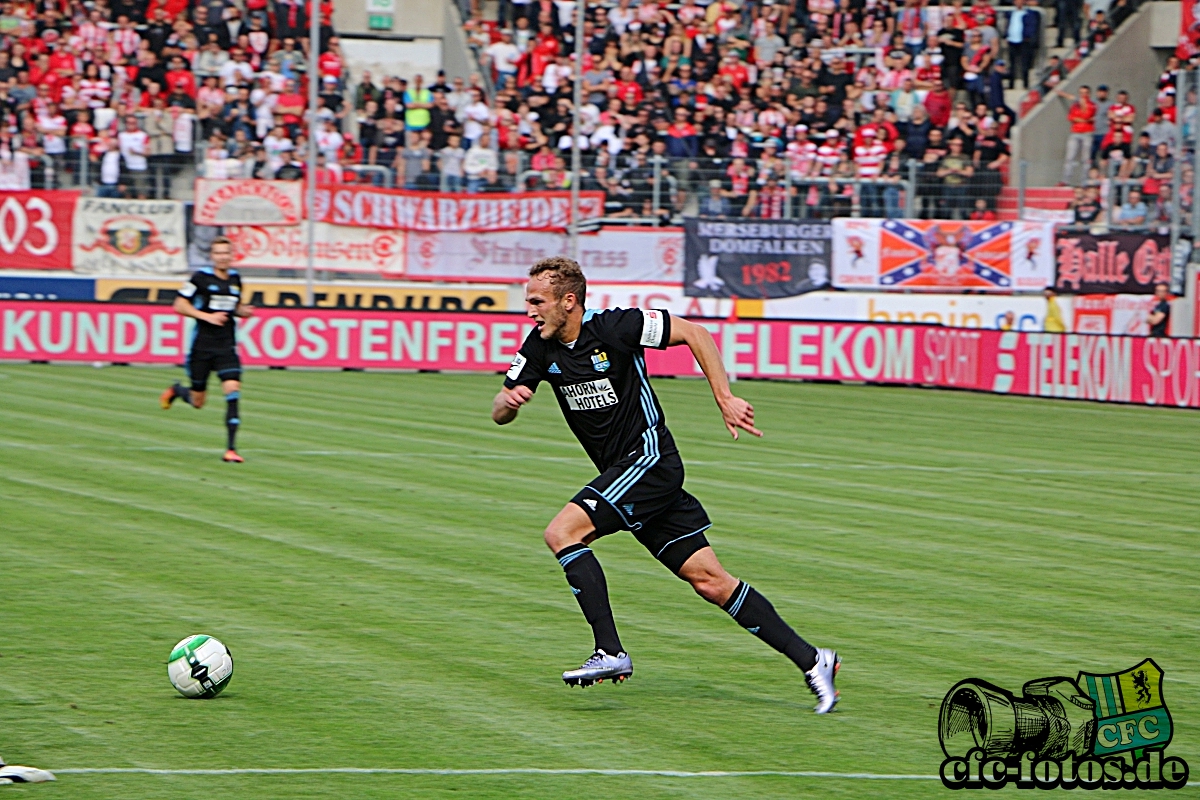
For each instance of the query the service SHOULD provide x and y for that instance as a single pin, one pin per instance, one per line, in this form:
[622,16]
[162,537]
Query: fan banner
[611,255]
[1113,263]
[36,229]
[1106,368]
[338,247]
[941,255]
[754,259]
[121,237]
[247,202]
[430,211]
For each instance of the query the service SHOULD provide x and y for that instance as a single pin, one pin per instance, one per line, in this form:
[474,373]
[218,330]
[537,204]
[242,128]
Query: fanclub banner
[115,237]
[35,229]
[1115,263]
[759,259]
[1124,369]
[337,247]
[940,255]
[611,255]
[429,211]
[247,202]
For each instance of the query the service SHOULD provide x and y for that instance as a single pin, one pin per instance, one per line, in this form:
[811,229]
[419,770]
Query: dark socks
[591,591]
[183,393]
[756,614]
[231,417]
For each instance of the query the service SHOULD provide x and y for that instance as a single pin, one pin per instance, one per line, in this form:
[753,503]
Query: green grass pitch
[376,568]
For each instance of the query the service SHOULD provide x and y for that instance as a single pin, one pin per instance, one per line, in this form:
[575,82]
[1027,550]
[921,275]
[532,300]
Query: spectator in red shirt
[938,103]
[180,78]
[290,106]
[1082,116]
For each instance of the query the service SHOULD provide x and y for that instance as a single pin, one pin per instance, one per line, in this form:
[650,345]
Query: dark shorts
[652,505]
[203,361]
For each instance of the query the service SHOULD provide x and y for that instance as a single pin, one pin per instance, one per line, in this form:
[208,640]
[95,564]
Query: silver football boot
[820,679]
[599,668]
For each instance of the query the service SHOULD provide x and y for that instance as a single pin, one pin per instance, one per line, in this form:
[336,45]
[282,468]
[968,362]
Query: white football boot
[11,773]
[820,679]
[599,668]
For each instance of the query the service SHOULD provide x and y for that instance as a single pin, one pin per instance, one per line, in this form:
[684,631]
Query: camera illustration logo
[1096,731]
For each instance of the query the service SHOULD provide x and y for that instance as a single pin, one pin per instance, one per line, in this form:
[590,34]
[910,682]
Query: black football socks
[756,614]
[183,393]
[231,417]
[591,591]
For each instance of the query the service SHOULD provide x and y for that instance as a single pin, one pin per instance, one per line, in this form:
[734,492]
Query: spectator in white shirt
[504,55]
[480,164]
[110,170]
[238,70]
[475,117]
[330,141]
[134,144]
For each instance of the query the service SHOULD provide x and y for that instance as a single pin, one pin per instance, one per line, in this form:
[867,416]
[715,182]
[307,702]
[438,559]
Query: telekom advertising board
[1125,369]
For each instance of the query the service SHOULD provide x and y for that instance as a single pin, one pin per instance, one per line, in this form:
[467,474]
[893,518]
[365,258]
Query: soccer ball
[200,667]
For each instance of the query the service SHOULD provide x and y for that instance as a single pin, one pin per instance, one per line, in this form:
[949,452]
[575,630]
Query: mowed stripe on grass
[376,567]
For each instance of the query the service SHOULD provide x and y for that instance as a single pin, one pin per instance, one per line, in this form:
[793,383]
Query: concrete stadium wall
[1131,60]
[419,18]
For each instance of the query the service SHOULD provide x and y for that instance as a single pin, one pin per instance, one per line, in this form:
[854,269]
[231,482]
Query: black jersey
[1164,308]
[602,385]
[209,293]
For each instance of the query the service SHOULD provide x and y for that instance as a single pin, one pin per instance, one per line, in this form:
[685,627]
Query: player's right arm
[183,305]
[520,381]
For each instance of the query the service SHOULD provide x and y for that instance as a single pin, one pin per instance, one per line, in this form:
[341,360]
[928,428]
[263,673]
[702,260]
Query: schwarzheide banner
[754,259]
[1114,263]
[429,211]
[35,229]
[1120,369]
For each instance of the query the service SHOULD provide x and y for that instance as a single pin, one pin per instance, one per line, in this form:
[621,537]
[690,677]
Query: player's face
[222,256]
[545,308]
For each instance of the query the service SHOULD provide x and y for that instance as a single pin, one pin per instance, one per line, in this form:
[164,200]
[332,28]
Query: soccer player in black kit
[213,297]
[595,364]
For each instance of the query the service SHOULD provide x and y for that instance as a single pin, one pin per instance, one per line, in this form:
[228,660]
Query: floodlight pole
[314,76]
[580,11]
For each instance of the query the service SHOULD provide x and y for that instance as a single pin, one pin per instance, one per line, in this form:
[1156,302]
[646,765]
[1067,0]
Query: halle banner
[759,259]
[941,255]
[1104,368]
[1114,263]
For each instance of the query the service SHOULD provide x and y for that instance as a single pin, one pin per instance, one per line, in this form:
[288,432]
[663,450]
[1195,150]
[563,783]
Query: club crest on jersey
[600,362]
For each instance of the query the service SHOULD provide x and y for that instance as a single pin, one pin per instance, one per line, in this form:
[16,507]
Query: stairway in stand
[1053,198]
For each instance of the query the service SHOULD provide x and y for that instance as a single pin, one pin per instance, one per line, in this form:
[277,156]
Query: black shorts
[652,505]
[205,360]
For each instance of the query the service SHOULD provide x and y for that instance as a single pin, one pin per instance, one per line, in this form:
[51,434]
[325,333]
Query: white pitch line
[660,773]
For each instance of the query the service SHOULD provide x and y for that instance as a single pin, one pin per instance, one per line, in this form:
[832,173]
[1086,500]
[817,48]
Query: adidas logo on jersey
[628,508]
[554,370]
[590,503]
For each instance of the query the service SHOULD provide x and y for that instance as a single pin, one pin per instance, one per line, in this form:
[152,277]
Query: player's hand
[245,311]
[218,318]
[517,397]
[738,414]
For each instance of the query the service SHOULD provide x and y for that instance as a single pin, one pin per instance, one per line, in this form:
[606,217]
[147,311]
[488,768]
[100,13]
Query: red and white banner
[428,211]
[247,202]
[1125,369]
[940,255]
[35,229]
[338,247]
[611,255]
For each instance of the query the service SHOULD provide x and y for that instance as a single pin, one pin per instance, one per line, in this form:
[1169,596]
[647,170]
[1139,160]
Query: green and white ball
[200,667]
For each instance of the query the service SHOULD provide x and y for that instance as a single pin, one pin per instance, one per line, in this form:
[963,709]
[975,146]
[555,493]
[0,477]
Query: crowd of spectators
[121,93]
[1123,176]
[754,108]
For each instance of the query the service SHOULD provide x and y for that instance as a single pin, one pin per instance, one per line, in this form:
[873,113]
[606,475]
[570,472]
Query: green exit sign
[379,22]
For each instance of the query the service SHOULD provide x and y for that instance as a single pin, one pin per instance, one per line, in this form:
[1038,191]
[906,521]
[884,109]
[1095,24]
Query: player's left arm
[244,310]
[736,412]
